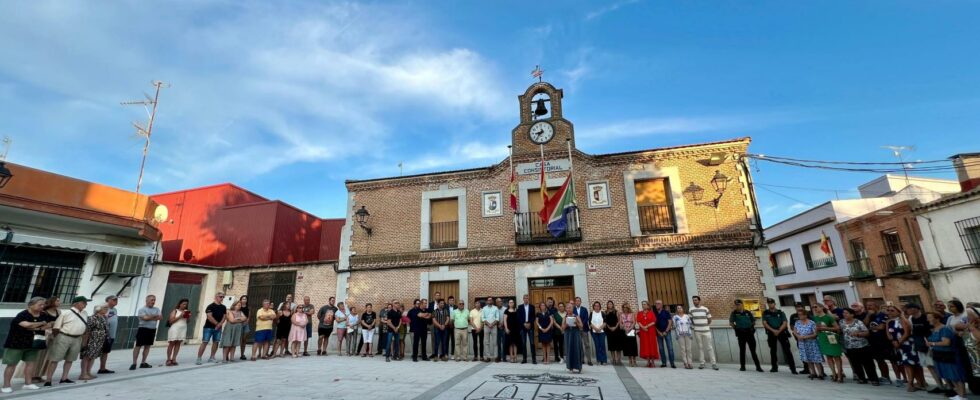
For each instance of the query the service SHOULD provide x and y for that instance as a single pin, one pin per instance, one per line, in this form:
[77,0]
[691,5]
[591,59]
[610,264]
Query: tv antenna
[7,141]
[897,151]
[150,105]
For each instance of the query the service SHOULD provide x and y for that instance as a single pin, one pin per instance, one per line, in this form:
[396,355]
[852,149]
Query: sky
[288,99]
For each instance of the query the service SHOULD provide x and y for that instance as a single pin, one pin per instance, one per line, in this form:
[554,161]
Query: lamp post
[695,193]
[5,174]
[361,216]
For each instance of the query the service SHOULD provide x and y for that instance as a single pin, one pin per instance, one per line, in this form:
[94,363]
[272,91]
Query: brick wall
[319,281]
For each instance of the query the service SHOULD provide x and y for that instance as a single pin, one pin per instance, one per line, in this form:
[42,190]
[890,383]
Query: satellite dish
[160,214]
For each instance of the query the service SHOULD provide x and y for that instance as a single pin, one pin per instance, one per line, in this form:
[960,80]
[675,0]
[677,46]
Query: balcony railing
[528,229]
[444,235]
[861,268]
[895,263]
[821,263]
[656,219]
[784,270]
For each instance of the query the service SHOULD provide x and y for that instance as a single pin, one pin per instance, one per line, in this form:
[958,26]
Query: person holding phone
[177,321]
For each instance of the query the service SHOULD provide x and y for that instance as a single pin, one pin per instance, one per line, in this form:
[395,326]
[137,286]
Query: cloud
[642,127]
[461,155]
[608,9]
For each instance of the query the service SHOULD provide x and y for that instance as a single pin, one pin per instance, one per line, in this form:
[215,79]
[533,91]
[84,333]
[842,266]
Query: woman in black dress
[512,327]
[614,335]
[627,323]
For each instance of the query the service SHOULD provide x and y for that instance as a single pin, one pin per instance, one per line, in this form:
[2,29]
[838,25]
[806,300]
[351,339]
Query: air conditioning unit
[121,265]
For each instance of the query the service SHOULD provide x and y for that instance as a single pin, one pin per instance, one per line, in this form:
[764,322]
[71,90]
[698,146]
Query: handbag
[39,342]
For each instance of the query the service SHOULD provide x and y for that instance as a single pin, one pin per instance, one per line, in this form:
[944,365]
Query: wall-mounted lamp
[695,193]
[361,216]
[5,174]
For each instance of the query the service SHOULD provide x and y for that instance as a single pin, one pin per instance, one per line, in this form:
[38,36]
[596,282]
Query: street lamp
[361,216]
[695,193]
[5,174]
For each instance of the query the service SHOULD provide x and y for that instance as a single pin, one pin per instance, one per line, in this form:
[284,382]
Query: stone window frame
[663,261]
[442,193]
[672,174]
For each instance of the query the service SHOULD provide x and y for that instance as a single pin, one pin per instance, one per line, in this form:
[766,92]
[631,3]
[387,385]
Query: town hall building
[657,223]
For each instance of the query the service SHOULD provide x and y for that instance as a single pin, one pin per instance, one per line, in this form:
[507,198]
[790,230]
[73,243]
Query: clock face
[541,132]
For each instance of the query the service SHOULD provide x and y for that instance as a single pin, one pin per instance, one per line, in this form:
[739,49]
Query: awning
[97,243]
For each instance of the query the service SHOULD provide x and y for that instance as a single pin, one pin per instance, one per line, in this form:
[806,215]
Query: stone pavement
[335,377]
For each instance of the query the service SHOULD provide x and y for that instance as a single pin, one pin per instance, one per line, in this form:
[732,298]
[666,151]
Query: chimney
[967,170]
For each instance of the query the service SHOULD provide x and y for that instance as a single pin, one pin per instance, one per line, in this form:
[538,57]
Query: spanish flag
[824,243]
[513,190]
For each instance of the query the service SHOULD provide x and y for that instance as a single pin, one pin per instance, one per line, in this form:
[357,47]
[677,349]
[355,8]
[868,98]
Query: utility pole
[150,105]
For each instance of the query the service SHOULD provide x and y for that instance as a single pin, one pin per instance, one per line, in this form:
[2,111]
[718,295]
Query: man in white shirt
[490,319]
[68,330]
[701,321]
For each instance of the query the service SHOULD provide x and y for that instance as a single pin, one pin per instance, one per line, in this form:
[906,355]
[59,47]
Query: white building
[802,271]
[951,236]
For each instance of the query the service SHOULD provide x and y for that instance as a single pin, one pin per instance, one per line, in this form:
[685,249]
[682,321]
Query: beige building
[662,223]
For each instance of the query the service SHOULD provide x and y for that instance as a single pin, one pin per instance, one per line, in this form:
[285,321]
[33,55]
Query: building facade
[62,237]
[803,271]
[951,235]
[640,229]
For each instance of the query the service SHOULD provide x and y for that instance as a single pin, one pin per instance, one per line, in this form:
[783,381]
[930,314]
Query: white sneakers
[26,387]
[7,390]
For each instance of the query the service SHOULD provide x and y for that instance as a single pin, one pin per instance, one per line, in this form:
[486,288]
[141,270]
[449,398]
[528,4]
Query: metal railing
[819,263]
[784,270]
[528,229]
[444,235]
[861,268]
[895,263]
[656,219]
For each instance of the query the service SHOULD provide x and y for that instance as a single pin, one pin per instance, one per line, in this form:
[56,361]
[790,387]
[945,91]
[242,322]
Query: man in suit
[583,312]
[450,307]
[527,314]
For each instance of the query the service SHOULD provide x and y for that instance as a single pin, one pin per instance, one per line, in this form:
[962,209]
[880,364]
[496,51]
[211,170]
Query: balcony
[819,263]
[861,268]
[895,263]
[656,219]
[784,270]
[444,235]
[528,229]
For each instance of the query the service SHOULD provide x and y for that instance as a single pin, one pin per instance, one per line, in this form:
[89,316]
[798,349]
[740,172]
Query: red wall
[245,234]
[330,238]
[297,236]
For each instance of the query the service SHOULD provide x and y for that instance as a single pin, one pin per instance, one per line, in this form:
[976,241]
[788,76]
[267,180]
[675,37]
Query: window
[816,258]
[653,206]
[26,272]
[808,299]
[784,263]
[914,299]
[667,285]
[891,241]
[858,251]
[894,261]
[859,263]
[444,223]
[839,297]
[969,230]
[787,300]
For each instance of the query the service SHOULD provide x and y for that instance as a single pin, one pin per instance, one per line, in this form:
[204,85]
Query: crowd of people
[907,339]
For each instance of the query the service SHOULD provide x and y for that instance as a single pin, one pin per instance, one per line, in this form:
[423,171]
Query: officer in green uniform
[777,330]
[743,322]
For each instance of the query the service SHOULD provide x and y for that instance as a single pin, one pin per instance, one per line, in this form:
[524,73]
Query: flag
[513,189]
[537,72]
[544,195]
[824,243]
[772,261]
[558,206]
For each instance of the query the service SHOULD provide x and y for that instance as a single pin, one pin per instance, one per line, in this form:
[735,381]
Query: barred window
[969,230]
[26,272]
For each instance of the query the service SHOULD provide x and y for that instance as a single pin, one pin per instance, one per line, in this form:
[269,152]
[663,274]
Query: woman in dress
[900,333]
[231,332]
[614,334]
[684,332]
[284,324]
[512,329]
[297,331]
[858,349]
[947,360]
[51,312]
[646,320]
[545,324]
[597,324]
[177,332]
[243,300]
[805,332]
[829,342]
[571,324]
[98,334]
[627,322]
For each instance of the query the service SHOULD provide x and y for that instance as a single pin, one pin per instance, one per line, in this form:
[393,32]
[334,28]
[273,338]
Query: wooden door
[559,293]
[668,286]
[446,288]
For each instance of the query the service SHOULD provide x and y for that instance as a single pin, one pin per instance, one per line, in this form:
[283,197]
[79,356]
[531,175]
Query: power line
[768,157]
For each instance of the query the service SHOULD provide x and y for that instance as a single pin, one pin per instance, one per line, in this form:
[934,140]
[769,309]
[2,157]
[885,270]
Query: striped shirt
[699,318]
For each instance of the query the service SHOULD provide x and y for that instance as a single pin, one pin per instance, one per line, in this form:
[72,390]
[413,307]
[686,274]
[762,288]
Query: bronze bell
[540,108]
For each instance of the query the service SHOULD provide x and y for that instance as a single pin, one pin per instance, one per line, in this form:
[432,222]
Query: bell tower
[541,107]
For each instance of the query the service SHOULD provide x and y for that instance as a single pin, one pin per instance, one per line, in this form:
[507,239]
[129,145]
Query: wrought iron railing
[444,235]
[656,219]
[895,263]
[818,263]
[529,229]
[861,268]
[784,270]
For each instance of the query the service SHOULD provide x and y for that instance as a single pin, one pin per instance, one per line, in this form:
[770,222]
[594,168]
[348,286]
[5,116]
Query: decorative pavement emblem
[537,387]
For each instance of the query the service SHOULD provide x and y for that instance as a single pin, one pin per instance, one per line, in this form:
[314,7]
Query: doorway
[560,288]
[272,286]
[181,285]
[445,288]
[667,285]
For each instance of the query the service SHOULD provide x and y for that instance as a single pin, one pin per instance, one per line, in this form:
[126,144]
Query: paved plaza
[335,377]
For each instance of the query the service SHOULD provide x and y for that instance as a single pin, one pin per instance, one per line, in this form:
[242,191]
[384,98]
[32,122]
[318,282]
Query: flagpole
[510,149]
[571,178]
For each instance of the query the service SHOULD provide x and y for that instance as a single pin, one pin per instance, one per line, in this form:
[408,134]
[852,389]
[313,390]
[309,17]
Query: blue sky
[288,99]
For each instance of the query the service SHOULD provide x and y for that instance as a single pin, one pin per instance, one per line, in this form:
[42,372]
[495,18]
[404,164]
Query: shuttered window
[668,286]
[653,206]
[444,223]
